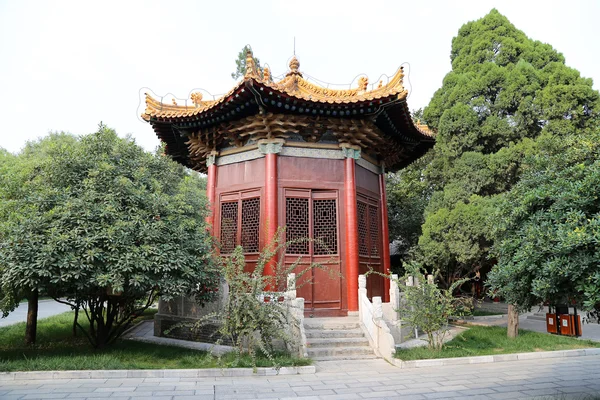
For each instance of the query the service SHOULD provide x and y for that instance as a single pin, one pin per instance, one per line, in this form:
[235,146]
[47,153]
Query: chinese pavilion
[291,153]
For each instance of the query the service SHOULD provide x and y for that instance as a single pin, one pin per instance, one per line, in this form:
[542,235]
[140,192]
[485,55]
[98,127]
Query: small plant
[257,313]
[428,307]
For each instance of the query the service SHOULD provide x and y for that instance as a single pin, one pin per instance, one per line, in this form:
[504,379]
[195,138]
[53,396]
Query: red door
[313,215]
[369,241]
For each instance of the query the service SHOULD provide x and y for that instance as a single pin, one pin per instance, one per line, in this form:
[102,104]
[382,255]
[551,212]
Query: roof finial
[250,66]
[267,74]
[294,64]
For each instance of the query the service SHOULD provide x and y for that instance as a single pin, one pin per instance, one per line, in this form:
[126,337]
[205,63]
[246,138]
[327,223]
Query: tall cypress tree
[505,93]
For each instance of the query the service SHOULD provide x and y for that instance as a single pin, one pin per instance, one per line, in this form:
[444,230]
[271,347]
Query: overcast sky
[67,65]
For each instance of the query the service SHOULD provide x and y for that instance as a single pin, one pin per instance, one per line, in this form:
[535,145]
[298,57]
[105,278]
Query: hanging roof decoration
[377,120]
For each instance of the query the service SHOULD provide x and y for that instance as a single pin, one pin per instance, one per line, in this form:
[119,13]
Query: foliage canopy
[504,93]
[99,221]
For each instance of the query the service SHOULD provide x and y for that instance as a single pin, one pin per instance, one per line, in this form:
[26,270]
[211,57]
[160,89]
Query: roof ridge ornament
[294,67]
[196,98]
[251,71]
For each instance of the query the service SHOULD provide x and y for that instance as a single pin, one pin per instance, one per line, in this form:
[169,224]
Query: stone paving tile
[505,395]
[340,397]
[382,394]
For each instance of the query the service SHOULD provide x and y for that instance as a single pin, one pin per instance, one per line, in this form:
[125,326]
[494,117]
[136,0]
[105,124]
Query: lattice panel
[374,231]
[325,227]
[229,226]
[296,221]
[250,225]
[363,229]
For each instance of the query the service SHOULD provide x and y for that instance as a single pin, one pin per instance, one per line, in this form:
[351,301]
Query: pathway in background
[532,321]
[46,308]
[565,378]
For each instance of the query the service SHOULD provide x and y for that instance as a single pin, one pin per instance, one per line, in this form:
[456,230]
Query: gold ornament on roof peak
[294,64]
[174,102]
[363,82]
[294,67]
[196,98]
[250,65]
[267,74]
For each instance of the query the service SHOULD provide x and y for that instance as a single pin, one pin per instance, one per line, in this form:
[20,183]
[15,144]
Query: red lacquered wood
[211,189]
[270,206]
[385,246]
[351,234]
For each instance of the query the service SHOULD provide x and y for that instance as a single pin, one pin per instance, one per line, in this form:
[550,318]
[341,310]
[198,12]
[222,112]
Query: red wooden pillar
[211,190]
[351,228]
[270,148]
[270,206]
[385,234]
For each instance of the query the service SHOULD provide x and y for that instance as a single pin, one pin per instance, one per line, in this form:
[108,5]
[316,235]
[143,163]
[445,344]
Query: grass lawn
[490,340]
[483,313]
[56,349]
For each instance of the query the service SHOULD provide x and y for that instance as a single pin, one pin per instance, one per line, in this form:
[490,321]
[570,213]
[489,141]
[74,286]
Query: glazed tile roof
[213,121]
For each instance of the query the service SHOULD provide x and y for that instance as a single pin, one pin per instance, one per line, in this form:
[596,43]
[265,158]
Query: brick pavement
[564,378]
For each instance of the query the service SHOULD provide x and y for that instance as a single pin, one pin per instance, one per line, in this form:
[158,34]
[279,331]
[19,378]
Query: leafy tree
[428,307]
[240,63]
[408,194]
[504,91]
[549,227]
[105,225]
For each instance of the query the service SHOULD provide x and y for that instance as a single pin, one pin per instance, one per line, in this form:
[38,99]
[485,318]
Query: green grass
[490,340]
[484,313]
[56,349]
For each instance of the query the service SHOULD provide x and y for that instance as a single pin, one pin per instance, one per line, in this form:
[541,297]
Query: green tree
[408,194]
[240,62]
[504,91]
[105,225]
[549,227]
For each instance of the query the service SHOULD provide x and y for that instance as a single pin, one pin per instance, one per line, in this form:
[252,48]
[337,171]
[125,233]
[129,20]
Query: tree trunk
[75,322]
[32,312]
[513,322]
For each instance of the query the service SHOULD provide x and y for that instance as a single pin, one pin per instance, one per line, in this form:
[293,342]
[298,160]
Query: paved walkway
[46,308]
[566,378]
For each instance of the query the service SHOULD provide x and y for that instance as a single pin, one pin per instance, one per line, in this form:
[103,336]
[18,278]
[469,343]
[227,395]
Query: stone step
[345,357]
[338,342]
[334,333]
[337,323]
[339,352]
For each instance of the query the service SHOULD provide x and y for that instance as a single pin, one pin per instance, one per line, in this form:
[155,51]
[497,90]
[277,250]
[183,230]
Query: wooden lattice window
[296,221]
[363,229]
[325,227]
[311,214]
[368,228]
[229,226]
[250,225]
[374,231]
[240,222]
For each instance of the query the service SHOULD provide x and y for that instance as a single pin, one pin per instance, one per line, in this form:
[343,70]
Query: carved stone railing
[296,309]
[372,320]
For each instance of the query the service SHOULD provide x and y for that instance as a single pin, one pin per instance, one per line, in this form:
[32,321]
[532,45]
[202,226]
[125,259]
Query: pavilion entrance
[314,214]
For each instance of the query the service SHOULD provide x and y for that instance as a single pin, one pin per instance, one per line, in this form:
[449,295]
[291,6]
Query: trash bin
[551,324]
[570,325]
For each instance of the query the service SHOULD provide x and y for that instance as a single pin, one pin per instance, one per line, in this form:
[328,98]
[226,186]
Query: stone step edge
[154,373]
[436,362]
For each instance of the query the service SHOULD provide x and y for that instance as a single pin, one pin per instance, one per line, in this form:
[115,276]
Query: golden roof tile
[293,85]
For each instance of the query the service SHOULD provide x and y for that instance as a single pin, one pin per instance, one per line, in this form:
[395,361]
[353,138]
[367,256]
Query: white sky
[67,65]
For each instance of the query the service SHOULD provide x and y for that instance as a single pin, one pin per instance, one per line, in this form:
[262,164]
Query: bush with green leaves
[104,226]
[428,307]
[548,228]
[257,313]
